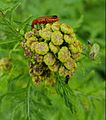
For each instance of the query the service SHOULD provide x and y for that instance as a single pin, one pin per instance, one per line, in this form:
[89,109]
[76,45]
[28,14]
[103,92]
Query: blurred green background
[21,101]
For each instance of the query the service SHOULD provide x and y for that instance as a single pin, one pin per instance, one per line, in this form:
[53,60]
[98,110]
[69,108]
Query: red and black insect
[45,20]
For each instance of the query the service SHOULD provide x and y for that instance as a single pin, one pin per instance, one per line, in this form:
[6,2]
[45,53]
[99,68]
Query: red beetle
[45,20]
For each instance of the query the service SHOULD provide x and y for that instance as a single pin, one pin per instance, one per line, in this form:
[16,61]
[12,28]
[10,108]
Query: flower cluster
[53,48]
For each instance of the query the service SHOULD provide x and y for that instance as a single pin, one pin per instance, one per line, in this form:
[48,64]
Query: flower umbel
[51,49]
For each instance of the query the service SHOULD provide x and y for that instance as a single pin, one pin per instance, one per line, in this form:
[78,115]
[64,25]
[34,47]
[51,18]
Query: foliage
[83,97]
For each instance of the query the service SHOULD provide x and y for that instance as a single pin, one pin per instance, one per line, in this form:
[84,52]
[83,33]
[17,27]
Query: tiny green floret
[64,54]
[49,59]
[69,38]
[29,34]
[41,48]
[45,33]
[70,64]
[53,48]
[76,47]
[57,38]
[56,26]
[67,29]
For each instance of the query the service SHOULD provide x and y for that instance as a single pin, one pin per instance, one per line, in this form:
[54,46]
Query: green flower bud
[36,79]
[33,38]
[70,64]
[50,81]
[57,38]
[67,29]
[29,34]
[76,47]
[56,26]
[54,67]
[41,48]
[38,58]
[37,69]
[49,59]
[69,38]
[76,56]
[36,32]
[64,54]
[45,34]
[48,26]
[94,51]
[32,46]
[30,41]
[27,52]
[64,72]
[53,48]
[23,44]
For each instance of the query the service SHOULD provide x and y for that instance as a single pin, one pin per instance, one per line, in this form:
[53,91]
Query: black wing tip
[54,16]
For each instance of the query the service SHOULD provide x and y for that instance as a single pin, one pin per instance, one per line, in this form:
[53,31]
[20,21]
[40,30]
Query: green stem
[16,45]
[28,100]
[65,92]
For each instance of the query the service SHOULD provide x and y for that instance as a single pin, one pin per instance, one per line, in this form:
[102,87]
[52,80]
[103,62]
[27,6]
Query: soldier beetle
[45,20]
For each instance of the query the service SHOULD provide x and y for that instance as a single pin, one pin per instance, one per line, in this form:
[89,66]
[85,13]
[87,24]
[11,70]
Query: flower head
[51,49]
